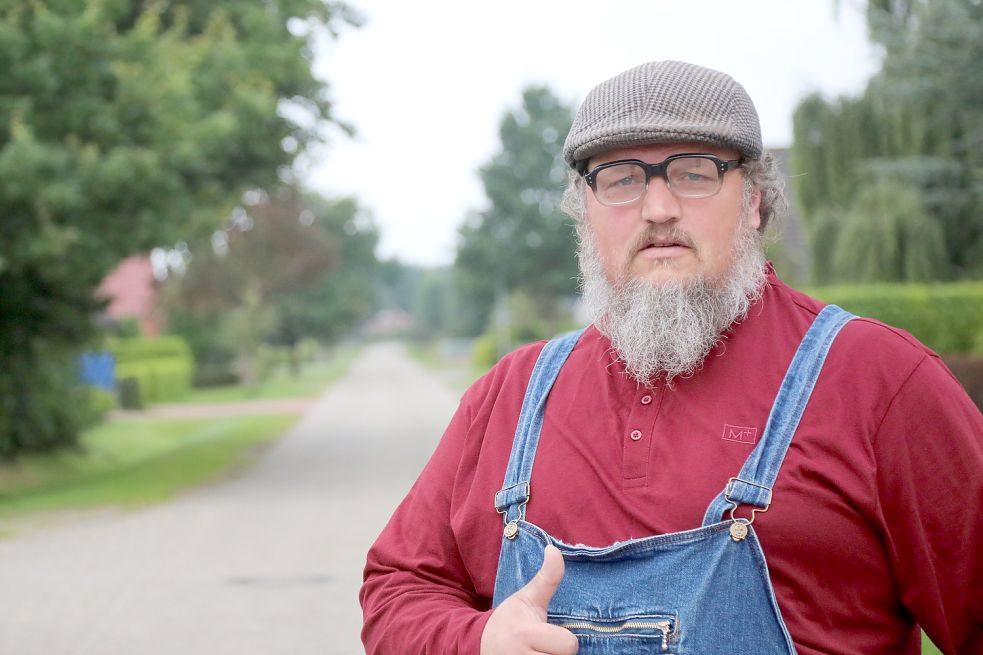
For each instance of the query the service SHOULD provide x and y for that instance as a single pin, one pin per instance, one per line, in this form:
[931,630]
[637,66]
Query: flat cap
[664,102]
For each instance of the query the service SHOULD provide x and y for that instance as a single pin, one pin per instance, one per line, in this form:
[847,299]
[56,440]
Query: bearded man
[722,464]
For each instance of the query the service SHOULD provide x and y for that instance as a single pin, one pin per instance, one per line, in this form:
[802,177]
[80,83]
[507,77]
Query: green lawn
[143,459]
[134,462]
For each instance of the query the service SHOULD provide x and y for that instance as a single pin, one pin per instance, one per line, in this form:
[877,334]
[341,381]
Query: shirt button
[646,400]
[635,435]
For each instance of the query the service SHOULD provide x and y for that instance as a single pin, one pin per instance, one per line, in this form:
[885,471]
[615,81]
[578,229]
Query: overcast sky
[425,84]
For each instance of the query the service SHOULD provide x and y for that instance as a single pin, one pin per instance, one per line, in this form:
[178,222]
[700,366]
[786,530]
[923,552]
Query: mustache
[661,233]
[651,235]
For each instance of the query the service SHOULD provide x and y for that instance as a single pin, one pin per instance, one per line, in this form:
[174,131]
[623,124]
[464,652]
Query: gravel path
[267,563]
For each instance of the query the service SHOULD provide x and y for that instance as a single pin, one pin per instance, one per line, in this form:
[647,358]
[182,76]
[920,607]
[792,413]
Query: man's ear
[754,209]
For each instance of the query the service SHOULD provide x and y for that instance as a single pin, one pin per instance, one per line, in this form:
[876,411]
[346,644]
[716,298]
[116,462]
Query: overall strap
[512,499]
[753,484]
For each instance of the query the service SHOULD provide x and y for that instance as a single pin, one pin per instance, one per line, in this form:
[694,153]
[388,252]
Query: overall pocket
[646,633]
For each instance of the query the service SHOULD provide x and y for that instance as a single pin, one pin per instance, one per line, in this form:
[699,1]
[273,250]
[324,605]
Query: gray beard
[668,329]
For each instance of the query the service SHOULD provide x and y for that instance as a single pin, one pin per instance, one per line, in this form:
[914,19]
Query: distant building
[132,293]
[389,323]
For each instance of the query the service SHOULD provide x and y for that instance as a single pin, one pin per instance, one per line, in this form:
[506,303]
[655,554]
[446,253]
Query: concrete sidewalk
[267,563]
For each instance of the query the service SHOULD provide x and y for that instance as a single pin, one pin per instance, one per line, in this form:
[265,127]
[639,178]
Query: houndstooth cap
[664,102]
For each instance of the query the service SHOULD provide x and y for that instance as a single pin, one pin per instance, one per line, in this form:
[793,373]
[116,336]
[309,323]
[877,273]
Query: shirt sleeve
[929,454]
[417,595]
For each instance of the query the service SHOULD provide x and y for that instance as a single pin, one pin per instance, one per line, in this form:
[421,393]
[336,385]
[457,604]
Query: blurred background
[211,214]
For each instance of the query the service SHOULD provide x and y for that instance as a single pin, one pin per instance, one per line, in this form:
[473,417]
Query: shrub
[215,373]
[485,351]
[43,405]
[141,349]
[947,318]
[151,370]
[95,404]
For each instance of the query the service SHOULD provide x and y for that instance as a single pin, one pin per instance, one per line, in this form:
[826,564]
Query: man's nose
[659,204]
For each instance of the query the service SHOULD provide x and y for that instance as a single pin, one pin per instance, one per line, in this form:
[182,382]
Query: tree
[125,125]
[283,270]
[916,127]
[334,303]
[887,236]
[522,241]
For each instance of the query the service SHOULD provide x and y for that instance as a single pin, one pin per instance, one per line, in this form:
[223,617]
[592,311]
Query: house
[132,292]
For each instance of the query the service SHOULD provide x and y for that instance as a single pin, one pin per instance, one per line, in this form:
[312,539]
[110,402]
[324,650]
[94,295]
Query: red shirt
[874,526]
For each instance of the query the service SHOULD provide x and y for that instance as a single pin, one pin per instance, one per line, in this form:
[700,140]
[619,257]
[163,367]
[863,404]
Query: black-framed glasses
[688,175]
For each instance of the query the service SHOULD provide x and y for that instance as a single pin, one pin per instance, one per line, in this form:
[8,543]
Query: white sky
[425,83]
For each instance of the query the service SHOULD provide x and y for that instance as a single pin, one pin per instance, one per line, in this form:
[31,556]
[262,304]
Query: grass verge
[134,462]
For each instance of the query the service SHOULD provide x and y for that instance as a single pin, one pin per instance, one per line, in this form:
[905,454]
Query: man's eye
[621,179]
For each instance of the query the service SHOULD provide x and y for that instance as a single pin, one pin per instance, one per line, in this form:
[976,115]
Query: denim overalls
[700,591]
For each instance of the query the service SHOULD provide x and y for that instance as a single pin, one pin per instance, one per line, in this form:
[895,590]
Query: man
[670,509]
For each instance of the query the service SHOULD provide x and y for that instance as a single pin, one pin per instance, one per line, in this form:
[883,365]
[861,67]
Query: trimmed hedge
[948,318]
[150,370]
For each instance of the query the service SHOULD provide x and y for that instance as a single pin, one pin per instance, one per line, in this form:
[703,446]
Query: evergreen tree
[125,125]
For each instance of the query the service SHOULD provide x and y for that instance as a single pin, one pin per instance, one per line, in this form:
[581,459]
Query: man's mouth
[659,239]
[665,245]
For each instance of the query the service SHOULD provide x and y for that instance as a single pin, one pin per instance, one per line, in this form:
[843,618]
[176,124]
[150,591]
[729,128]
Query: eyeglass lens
[689,177]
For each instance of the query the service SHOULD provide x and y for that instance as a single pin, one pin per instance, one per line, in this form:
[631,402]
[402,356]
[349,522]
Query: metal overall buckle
[739,527]
[512,527]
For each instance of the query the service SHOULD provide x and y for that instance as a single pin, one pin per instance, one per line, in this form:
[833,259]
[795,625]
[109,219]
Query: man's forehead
[654,153]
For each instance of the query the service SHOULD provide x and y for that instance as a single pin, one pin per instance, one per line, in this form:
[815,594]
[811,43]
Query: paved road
[267,563]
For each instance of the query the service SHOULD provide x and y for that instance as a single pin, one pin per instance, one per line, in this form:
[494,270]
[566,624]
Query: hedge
[150,370]
[144,348]
[948,318]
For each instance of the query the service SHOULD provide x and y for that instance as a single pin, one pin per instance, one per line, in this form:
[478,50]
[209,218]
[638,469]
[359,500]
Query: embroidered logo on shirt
[740,433]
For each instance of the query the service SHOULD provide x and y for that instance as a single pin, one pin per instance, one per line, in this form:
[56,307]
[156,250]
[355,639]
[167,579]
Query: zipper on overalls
[665,627]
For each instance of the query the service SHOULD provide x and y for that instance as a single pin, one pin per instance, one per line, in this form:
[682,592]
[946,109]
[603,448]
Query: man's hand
[519,626]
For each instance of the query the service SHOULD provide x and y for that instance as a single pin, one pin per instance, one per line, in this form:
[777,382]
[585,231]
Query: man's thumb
[541,588]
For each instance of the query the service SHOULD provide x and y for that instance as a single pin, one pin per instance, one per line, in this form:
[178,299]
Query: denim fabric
[694,592]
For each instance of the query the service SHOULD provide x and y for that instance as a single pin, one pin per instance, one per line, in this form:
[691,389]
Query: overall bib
[700,591]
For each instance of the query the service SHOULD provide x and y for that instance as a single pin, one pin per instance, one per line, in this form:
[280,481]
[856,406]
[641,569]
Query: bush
[43,405]
[151,370]
[485,351]
[948,318]
[96,403]
[142,349]
[215,373]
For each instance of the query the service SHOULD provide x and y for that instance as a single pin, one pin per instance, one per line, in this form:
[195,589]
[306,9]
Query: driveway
[267,563]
